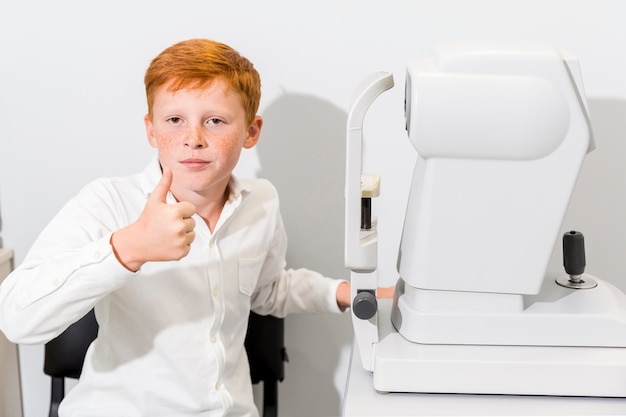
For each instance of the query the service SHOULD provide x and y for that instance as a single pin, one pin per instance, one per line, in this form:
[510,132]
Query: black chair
[265,345]
[64,357]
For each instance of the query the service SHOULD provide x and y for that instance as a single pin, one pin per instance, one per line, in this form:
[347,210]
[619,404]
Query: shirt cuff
[333,307]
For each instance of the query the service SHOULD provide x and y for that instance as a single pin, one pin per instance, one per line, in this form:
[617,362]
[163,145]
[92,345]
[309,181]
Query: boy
[173,259]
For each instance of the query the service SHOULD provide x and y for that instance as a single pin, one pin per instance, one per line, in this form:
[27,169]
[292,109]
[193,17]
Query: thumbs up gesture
[163,231]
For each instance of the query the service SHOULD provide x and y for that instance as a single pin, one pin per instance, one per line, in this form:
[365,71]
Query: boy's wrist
[121,255]
[343,296]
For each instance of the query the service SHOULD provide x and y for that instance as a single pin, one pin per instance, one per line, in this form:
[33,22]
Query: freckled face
[199,134]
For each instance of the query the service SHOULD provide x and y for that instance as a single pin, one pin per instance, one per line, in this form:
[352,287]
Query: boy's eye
[214,121]
[174,120]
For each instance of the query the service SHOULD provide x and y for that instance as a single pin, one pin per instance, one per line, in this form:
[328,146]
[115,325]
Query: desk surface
[5,256]
[10,389]
[360,399]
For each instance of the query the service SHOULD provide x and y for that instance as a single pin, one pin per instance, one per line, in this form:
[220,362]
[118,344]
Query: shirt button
[213,339]
[218,386]
[215,292]
[56,282]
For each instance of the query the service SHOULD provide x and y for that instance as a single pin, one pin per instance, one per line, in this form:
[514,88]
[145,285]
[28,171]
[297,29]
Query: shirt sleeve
[281,291]
[297,291]
[68,269]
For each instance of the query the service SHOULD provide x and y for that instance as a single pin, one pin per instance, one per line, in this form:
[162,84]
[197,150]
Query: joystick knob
[574,262]
[364,304]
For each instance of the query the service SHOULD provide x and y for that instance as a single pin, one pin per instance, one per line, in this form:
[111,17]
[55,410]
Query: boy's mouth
[194,163]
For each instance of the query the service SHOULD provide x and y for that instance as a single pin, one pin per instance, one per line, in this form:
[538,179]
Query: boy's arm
[67,270]
[72,264]
[281,291]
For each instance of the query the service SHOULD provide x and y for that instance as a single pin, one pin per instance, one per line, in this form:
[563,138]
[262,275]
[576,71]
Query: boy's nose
[195,140]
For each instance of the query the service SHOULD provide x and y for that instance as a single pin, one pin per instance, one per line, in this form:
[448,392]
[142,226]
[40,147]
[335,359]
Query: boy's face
[199,134]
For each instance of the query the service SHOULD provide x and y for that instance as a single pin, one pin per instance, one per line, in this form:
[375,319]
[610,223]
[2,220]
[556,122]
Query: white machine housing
[500,134]
[501,131]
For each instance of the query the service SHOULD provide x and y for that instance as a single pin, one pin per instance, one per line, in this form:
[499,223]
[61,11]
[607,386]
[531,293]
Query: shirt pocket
[249,269]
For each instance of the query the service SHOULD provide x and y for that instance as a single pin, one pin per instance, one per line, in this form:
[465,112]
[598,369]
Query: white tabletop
[360,399]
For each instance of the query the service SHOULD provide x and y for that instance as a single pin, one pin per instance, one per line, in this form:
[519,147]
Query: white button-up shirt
[171,337]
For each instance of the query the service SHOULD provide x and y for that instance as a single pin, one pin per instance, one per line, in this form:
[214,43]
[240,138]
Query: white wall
[71,108]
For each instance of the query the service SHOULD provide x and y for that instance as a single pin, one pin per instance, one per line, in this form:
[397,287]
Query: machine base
[403,366]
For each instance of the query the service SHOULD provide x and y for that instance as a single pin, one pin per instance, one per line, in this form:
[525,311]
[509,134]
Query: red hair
[195,63]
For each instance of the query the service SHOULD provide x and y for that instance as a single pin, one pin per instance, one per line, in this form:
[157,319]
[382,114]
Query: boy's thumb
[163,187]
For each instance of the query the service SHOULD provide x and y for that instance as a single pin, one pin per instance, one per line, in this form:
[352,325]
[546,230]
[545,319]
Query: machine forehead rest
[489,103]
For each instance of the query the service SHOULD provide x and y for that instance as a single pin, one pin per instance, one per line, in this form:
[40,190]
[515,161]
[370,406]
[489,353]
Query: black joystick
[574,262]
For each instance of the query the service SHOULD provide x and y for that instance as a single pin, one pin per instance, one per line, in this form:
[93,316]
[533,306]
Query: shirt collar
[237,191]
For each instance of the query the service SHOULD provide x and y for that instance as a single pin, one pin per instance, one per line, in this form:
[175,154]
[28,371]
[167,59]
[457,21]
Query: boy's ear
[254,131]
[149,130]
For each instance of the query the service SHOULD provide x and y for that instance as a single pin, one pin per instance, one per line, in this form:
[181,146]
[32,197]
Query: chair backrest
[266,356]
[265,346]
[65,354]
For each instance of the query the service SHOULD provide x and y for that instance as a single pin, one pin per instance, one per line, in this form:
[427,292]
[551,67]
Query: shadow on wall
[302,151]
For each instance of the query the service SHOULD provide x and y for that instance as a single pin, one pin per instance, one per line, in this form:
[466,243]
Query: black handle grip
[574,253]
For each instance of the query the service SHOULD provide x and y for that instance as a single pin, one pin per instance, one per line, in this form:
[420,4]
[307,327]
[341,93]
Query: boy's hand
[163,232]
[343,294]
